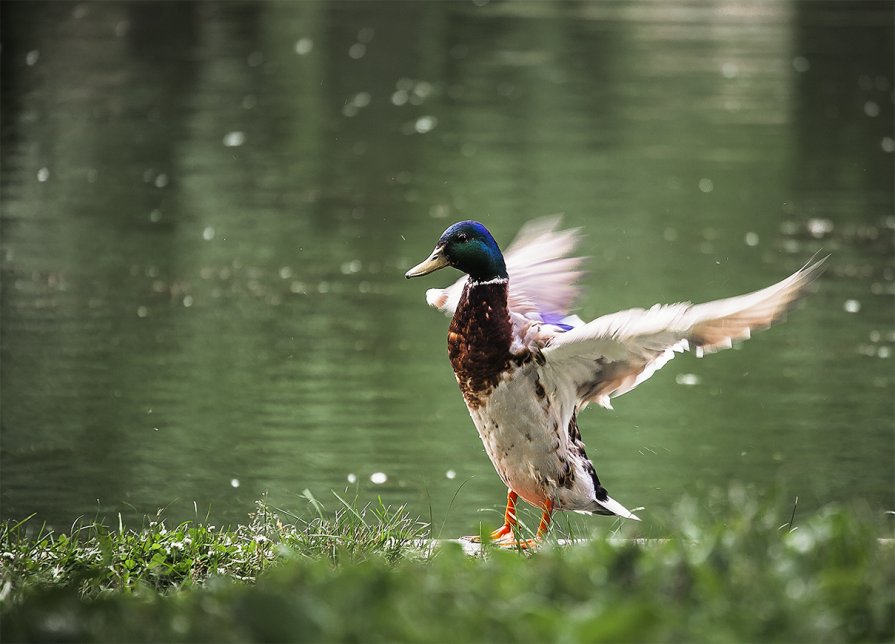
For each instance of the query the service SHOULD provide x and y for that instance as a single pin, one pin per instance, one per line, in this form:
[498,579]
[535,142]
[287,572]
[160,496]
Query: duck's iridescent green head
[469,247]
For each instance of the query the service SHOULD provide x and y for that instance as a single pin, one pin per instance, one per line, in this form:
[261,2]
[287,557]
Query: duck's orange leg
[509,518]
[509,540]
[544,525]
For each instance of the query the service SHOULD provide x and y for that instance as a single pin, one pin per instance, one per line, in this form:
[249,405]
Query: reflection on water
[208,209]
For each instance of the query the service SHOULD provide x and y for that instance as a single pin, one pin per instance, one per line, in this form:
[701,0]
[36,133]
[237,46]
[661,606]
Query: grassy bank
[358,574]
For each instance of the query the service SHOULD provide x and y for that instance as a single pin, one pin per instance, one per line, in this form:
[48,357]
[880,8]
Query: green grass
[359,574]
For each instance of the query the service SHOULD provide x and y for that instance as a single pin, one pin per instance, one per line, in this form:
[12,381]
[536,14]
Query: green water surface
[208,208]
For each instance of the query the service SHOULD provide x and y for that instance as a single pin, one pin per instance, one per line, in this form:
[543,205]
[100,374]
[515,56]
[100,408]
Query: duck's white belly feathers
[525,431]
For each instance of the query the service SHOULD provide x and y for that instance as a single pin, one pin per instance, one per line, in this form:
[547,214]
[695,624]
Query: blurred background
[207,210]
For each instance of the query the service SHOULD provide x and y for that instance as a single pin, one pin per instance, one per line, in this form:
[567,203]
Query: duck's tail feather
[612,507]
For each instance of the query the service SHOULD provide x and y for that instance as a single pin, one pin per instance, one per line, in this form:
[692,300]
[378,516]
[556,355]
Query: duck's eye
[462,237]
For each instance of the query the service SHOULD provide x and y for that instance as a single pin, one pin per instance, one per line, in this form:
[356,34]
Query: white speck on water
[32,57]
[234,483]
[887,144]
[425,124]
[43,174]
[161,180]
[208,233]
[706,185]
[729,70]
[423,89]
[871,108]
[155,428]
[378,478]
[142,311]
[400,97]
[801,64]
[155,216]
[451,474]
[357,50]
[819,227]
[365,35]
[687,379]
[867,350]
[187,301]
[303,46]
[752,239]
[851,306]
[234,139]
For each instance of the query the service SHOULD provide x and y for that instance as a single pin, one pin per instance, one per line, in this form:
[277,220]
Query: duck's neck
[479,338]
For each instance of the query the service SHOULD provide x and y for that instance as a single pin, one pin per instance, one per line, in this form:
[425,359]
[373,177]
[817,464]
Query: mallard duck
[527,368]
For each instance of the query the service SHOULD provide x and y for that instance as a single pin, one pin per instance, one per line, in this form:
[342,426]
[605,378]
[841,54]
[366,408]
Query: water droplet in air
[729,70]
[361,99]
[378,478]
[303,46]
[451,474]
[32,57]
[357,50]
[871,108]
[187,301]
[142,311]
[687,379]
[425,124]
[751,239]
[365,35]
[818,227]
[161,180]
[43,174]
[851,306]
[234,482]
[234,139]
[352,478]
[706,185]
[208,233]
[887,144]
[801,64]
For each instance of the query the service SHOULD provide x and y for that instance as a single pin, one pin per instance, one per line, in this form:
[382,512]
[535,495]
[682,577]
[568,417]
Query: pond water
[208,208]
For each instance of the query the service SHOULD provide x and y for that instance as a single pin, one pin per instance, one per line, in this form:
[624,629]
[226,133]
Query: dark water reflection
[208,209]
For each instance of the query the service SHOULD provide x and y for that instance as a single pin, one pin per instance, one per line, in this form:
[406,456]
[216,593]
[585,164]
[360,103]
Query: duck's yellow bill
[436,260]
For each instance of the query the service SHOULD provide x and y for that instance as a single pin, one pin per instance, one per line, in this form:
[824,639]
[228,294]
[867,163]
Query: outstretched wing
[542,275]
[614,353]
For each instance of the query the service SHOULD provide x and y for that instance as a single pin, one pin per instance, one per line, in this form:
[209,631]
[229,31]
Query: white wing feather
[614,353]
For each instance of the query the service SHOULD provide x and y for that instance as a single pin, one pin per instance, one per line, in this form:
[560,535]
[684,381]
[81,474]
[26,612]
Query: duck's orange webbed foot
[505,538]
